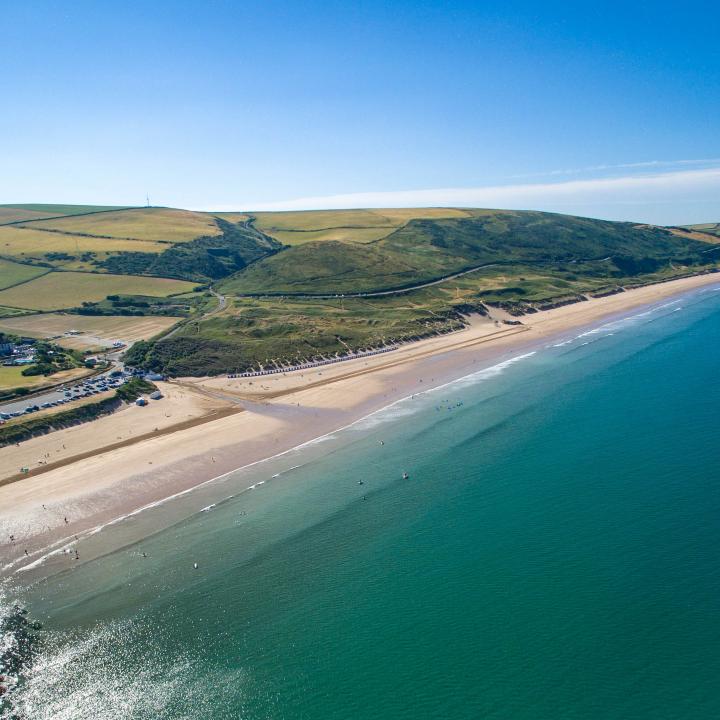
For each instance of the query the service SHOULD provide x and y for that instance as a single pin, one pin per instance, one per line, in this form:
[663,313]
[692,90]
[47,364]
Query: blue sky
[594,108]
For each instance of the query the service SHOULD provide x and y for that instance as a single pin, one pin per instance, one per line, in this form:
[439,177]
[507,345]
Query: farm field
[6,312]
[13,213]
[61,290]
[12,273]
[31,244]
[708,228]
[95,330]
[233,217]
[10,214]
[355,235]
[294,228]
[150,224]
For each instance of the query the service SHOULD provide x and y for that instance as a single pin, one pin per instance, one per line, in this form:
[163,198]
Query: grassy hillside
[706,228]
[272,266]
[426,249]
[65,250]
[155,224]
[205,258]
[59,290]
[34,211]
[163,242]
[12,273]
[296,228]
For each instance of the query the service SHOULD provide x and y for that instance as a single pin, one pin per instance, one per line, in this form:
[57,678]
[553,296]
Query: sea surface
[554,553]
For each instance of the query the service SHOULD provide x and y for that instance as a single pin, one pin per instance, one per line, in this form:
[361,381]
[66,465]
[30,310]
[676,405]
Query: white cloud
[669,197]
[647,165]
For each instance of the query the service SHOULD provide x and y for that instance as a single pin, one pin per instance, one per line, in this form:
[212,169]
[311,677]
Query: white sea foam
[391,412]
[395,410]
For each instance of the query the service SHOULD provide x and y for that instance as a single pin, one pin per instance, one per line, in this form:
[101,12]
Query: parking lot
[109,380]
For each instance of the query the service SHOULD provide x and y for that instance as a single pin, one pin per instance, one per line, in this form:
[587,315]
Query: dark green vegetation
[20,430]
[205,258]
[50,359]
[141,305]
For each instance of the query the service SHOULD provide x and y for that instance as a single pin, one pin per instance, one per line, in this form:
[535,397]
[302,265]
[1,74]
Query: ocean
[554,553]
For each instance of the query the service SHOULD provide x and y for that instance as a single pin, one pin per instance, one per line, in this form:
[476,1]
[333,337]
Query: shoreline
[101,487]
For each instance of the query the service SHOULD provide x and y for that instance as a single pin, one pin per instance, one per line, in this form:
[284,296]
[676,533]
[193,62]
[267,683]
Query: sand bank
[100,481]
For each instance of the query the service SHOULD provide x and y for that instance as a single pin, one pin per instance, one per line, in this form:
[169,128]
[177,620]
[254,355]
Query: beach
[206,428]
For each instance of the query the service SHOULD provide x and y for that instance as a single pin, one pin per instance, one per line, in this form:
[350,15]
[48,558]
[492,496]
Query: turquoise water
[554,554]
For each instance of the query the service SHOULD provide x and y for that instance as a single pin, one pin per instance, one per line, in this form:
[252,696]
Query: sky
[604,109]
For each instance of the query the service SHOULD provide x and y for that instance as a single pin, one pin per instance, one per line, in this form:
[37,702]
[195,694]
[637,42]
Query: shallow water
[553,554]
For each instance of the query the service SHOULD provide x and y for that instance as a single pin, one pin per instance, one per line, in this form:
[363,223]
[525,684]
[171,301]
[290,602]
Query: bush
[41,368]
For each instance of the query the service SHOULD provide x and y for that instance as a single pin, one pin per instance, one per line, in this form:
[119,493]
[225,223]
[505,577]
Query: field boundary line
[90,212]
[22,282]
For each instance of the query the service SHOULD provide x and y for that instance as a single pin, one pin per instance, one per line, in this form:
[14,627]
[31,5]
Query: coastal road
[222,304]
[379,293]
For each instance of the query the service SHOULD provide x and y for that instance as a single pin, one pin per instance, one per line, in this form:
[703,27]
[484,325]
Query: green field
[150,224]
[12,273]
[59,290]
[65,250]
[709,228]
[35,211]
[8,312]
[361,226]
[12,377]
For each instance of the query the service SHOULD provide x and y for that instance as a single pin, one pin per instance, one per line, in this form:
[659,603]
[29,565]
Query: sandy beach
[87,475]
